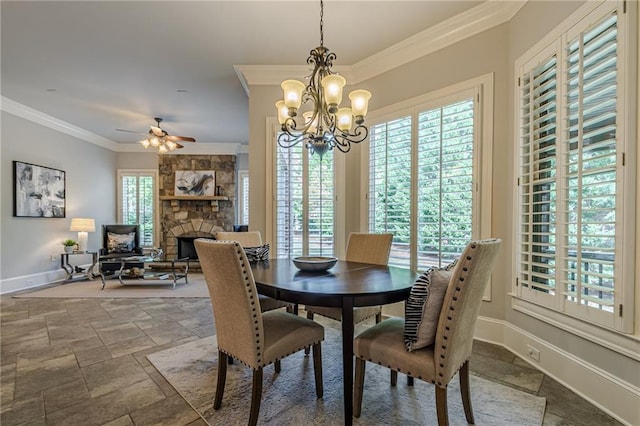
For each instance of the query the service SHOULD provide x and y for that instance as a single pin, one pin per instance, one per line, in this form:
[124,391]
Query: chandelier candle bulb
[332,85]
[292,94]
[344,117]
[283,112]
[360,104]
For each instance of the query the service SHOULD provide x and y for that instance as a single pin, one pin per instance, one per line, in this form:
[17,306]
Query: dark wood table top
[366,284]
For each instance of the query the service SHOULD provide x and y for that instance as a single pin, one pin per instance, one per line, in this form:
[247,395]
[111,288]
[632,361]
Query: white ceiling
[102,65]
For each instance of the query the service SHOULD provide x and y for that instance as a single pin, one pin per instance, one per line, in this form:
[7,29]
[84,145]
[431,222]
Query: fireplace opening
[186,248]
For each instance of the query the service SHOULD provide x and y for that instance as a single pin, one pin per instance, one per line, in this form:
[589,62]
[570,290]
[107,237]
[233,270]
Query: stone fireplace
[195,217]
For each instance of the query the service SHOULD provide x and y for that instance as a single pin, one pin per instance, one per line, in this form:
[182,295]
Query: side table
[72,271]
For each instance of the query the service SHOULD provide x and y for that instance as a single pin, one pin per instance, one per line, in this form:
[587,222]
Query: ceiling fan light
[154,141]
[171,145]
[162,149]
[145,143]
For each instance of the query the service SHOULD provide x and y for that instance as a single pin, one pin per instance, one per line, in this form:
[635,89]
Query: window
[137,202]
[571,172]
[243,198]
[304,202]
[424,174]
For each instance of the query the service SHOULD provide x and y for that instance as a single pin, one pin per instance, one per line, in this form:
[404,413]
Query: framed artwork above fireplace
[195,183]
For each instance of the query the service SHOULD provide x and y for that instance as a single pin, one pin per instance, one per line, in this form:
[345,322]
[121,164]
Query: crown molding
[446,33]
[30,114]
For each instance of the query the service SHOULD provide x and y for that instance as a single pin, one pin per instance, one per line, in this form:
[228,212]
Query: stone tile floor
[83,362]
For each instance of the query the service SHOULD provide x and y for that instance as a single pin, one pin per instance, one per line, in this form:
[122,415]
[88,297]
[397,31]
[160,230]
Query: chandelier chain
[321,23]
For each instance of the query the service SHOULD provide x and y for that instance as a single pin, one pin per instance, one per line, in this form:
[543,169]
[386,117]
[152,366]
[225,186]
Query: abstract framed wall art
[38,191]
[195,183]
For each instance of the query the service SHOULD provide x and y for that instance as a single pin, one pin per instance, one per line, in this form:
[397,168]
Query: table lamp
[83,226]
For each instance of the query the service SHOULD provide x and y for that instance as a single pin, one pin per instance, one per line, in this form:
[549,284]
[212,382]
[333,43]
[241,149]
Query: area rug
[197,287]
[289,398]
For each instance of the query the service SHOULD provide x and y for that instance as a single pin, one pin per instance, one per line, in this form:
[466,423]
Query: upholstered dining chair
[254,239]
[246,239]
[245,333]
[363,248]
[384,343]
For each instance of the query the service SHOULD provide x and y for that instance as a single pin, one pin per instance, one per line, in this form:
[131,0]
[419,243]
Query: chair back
[369,248]
[454,335]
[246,239]
[234,297]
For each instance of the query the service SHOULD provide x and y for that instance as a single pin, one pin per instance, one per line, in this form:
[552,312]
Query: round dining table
[346,285]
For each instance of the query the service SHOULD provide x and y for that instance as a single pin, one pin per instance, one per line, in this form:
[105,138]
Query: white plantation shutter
[137,203]
[590,161]
[390,185]
[538,176]
[289,200]
[243,205]
[445,182]
[304,208]
[572,190]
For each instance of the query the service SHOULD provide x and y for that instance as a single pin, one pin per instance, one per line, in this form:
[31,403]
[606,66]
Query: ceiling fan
[159,138]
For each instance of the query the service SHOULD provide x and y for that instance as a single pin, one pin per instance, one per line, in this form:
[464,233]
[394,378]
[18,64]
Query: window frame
[554,309]
[339,188]
[156,199]
[481,89]
[242,206]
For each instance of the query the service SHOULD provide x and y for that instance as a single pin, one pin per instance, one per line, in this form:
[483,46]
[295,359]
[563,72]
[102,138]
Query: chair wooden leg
[409,381]
[317,369]
[222,377]
[394,377]
[277,366]
[465,392]
[256,395]
[378,317]
[441,406]
[358,386]
[308,349]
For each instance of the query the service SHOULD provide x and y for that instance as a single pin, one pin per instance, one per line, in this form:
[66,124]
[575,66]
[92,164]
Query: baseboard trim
[612,395]
[32,281]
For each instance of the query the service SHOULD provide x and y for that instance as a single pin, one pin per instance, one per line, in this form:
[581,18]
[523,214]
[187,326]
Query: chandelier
[326,125]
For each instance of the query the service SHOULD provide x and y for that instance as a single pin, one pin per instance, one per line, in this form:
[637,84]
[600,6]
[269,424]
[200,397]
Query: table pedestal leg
[347,358]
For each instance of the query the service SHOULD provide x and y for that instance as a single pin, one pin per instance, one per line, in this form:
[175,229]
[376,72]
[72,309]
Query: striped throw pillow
[422,309]
[257,254]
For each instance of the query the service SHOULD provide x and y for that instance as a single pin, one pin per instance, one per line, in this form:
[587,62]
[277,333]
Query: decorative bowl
[314,263]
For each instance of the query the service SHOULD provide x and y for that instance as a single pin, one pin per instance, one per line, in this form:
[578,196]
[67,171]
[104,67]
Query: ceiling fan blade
[180,138]
[131,131]
[157,131]
[178,146]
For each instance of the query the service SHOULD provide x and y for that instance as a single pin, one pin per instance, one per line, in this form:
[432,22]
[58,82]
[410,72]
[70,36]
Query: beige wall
[28,243]
[493,51]
[137,160]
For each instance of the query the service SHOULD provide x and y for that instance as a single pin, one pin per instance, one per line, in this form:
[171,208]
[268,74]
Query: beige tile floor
[83,362]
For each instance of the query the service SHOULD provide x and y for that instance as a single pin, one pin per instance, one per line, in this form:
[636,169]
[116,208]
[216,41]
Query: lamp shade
[83,225]
[332,85]
[292,93]
[359,102]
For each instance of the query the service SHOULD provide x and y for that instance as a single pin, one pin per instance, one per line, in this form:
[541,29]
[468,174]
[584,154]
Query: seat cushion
[384,344]
[359,313]
[269,303]
[423,306]
[285,333]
